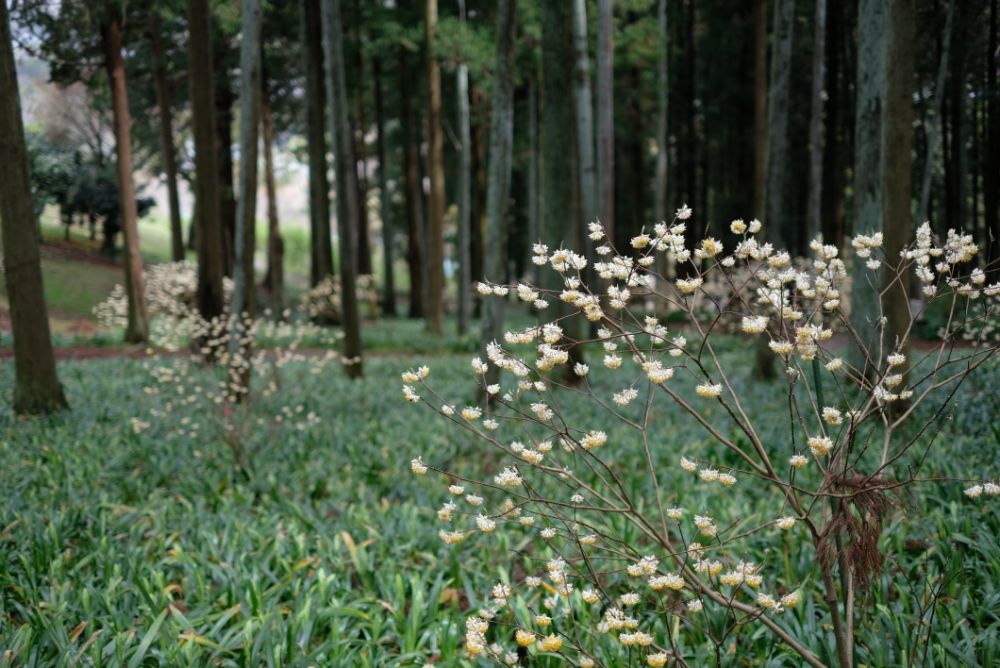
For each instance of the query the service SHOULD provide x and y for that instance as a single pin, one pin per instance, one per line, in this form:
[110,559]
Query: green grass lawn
[120,548]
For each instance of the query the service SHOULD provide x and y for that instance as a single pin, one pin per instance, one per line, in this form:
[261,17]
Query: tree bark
[246,205]
[435,159]
[168,153]
[833,169]
[359,151]
[414,206]
[224,100]
[561,212]
[275,280]
[385,201]
[933,131]
[606,115]
[534,212]
[321,249]
[991,166]
[347,188]
[584,116]
[464,194]
[661,205]
[897,160]
[36,388]
[210,253]
[498,184]
[814,208]
[760,110]
[868,204]
[777,223]
[137,329]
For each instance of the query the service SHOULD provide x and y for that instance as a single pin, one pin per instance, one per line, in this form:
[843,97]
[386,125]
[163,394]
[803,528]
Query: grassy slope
[149,549]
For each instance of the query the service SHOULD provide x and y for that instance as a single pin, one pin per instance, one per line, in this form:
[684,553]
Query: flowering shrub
[322,302]
[605,573]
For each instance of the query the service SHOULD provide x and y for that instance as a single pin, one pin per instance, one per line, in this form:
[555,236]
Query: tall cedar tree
[37,388]
[498,183]
[464,193]
[385,199]
[207,200]
[606,116]
[561,211]
[321,248]
[347,188]
[137,328]
[168,153]
[246,203]
[435,203]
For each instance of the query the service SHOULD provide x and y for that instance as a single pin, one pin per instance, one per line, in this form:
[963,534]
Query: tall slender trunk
[955,177]
[584,115]
[498,186]
[897,180]
[137,329]
[224,100]
[385,201]
[760,110]
[275,279]
[833,170]
[347,189]
[606,115]
[464,193]
[359,149]
[414,205]
[207,201]
[868,186]
[777,122]
[321,249]
[933,126]
[991,165]
[246,205]
[662,137]
[561,215]
[814,209]
[435,159]
[36,388]
[167,152]
[534,231]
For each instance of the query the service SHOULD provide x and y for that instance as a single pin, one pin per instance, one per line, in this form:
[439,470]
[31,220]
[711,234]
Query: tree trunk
[777,223]
[224,99]
[584,116]
[897,186]
[275,279]
[868,205]
[385,201]
[606,115]
[661,206]
[321,249]
[435,204]
[814,209]
[167,151]
[534,211]
[760,110]
[210,255]
[37,388]
[991,165]
[464,194]
[561,215]
[955,177]
[933,126]
[137,329]
[359,151]
[414,206]
[246,205]
[498,185]
[833,170]
[347,188]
